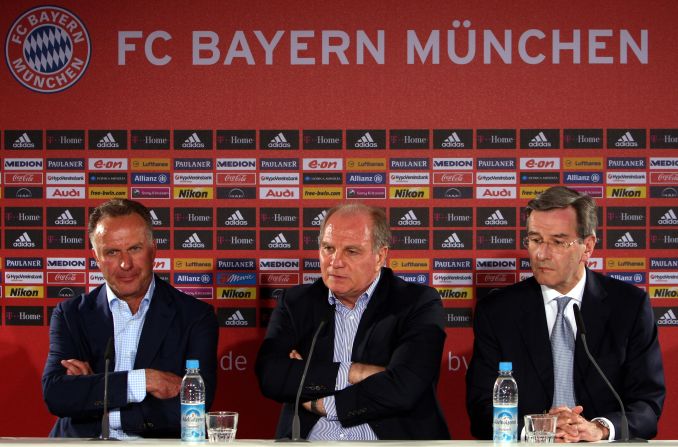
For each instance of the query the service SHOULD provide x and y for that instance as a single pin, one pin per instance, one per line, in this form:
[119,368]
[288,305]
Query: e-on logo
[47,49]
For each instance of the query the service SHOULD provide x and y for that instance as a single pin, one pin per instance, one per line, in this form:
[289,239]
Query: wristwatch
[604,425]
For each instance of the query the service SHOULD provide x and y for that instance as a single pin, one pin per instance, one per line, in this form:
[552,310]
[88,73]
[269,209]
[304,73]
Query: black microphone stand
[581,329]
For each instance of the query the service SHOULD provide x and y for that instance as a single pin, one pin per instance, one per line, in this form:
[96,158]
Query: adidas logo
[23,241]
[496,218]
[155,220]
[193,141]
[279,141]
[669,218]
[626,241]
[318,220]
[453,140]
[237,319]
[626,140]
[193,241]
[236,219]
[23,142]
[108,141]
[453,241]
[409,220]
[66,218]
[668,319]
[365,141]
[540,140]
[279,242]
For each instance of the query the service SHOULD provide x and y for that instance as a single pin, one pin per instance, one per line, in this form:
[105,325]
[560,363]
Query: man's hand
[319,407]
[294,355]
[361,371]
[572,427]
[161,384]
[76,367]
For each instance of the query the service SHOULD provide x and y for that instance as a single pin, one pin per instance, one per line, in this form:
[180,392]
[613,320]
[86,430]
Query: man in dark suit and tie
[531,323]
[155,329]
[375,367]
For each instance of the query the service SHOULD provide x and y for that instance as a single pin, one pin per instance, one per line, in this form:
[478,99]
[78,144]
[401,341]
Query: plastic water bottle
[505,403]
[192,397]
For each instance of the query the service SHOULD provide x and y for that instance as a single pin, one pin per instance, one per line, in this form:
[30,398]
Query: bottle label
[193,422]
[505,423]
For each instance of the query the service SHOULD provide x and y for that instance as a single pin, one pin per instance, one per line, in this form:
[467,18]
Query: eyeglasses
[535,243]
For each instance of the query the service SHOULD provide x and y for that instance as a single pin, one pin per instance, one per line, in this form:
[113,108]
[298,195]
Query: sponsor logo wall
[220,216]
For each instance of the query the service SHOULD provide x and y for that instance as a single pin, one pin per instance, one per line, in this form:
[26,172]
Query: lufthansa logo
[48,49]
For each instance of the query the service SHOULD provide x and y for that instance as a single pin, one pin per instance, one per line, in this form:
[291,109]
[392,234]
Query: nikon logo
[664,292]
[236,293]
[626,193]
[455,293]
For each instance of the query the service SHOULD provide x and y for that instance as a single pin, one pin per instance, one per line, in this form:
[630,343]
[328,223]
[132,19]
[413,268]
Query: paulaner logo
[47,49]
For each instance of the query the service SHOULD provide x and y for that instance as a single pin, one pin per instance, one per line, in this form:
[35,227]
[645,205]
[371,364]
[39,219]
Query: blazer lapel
[373,310]
[158,320]
[595,313]
[98,324]
[535,334]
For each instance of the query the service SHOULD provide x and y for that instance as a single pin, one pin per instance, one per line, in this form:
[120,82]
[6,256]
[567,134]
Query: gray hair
[561,197]
[381,233]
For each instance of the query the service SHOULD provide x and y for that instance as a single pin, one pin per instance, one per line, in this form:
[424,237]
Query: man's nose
[125,261]
[337,259]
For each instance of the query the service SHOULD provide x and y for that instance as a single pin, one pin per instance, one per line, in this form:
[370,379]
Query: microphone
[581,329]
[296,425]
[109,354]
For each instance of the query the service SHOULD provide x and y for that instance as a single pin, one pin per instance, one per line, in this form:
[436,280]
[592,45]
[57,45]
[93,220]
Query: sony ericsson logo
[47,49]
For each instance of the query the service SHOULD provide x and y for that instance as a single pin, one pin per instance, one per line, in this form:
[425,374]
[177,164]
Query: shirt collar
[367,294]
[577,292]
[111,297]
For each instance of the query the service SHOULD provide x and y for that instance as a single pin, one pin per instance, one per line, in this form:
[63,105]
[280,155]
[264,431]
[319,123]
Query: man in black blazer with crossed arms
[375,367]
[519,323]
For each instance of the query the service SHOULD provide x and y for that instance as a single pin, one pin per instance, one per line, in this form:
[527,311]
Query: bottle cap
[192,364]
[505,366]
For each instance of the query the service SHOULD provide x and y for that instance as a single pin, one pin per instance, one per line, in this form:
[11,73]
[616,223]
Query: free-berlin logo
[47,49]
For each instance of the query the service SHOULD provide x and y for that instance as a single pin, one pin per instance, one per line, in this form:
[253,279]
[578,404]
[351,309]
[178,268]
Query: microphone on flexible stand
[296,425]
[108,356]
[581,330]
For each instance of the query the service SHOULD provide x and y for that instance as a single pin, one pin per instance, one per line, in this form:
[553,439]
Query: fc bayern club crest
[47,49]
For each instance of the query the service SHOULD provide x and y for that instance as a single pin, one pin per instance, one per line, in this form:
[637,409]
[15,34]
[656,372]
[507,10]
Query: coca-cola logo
[66,277]
[279,279]
[667,177]
[495,278]
[23,178]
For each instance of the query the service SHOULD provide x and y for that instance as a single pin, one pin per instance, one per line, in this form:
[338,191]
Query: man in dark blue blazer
[155,327]
[375,367]
[514,323]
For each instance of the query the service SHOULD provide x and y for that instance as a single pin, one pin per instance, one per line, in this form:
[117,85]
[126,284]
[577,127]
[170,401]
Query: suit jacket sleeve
[77,396]
[637,372]
[407,339]
[481,375]
[292,326]
[191,334]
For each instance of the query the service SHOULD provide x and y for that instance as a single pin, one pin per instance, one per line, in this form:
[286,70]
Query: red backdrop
[598,91]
